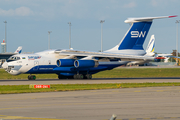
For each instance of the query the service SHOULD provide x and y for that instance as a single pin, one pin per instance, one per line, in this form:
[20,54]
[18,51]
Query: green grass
[139,72]
[115,73]
[7,89]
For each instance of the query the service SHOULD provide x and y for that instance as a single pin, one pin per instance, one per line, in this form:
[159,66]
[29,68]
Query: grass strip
[115,73]
[9,89]
[138,72]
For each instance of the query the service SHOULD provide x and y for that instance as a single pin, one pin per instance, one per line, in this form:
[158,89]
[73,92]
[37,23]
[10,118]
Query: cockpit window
[13,58]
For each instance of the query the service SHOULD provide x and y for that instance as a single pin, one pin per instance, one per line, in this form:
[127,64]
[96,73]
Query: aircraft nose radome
[5,65]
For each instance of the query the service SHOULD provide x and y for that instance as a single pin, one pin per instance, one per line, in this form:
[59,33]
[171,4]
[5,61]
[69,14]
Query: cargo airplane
[67,63]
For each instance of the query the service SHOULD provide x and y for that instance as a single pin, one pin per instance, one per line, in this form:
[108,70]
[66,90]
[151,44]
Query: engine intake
[65,62]
[86,63]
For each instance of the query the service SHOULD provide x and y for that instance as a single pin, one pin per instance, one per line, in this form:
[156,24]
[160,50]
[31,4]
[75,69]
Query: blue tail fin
[134,38]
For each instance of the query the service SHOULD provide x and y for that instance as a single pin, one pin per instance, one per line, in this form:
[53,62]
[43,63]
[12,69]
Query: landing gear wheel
[88,76]
[78,76]
[75,76]
[31,77]
[34,77]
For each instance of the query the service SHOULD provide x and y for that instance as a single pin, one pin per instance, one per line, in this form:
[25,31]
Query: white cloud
[130,5]
[157,3]
[21,11]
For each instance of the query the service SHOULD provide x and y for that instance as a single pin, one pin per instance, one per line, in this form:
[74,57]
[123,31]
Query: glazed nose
[5,65]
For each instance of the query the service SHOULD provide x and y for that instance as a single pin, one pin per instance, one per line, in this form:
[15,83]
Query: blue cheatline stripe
[135,37]
[45,69]
[42,69]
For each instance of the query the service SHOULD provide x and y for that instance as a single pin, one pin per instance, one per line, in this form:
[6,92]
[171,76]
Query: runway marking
[6,117]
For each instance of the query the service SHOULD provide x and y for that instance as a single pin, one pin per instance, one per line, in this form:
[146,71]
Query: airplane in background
[19,50]
[82,64]
[165,57]
[149,52]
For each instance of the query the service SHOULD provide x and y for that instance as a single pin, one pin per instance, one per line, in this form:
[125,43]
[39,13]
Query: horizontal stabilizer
[146,19]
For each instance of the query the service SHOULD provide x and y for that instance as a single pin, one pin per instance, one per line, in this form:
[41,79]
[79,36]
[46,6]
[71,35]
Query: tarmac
[155,103]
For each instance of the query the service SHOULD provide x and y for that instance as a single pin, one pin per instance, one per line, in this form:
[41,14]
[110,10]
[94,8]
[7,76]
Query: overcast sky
[28,23]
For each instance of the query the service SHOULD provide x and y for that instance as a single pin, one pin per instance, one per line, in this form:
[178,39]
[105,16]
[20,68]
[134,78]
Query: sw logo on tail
[136,34]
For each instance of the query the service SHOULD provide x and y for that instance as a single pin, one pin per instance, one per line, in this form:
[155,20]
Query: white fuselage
[42,63]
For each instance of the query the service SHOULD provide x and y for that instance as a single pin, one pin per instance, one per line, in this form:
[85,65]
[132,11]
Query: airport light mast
[5,37]
[177,21]
[49,39]
[69,35]
[102,21]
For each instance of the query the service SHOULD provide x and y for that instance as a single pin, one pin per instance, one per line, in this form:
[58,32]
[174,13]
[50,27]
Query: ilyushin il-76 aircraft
[67,63]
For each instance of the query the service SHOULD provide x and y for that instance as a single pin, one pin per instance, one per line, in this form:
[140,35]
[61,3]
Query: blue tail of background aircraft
[19,50]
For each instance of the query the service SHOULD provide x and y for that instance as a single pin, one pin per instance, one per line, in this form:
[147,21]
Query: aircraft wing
[164,55]
[100,55]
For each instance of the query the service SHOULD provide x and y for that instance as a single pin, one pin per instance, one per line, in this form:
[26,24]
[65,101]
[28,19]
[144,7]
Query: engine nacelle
[85,63]
[65,62]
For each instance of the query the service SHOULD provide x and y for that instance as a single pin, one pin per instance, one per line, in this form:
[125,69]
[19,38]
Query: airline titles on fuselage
[33,57]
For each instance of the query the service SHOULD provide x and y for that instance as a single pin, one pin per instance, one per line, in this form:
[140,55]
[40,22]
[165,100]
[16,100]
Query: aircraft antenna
[69,35]
[102,21]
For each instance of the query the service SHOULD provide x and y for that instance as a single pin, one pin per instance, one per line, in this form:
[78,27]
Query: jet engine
[85,63]
[65,62]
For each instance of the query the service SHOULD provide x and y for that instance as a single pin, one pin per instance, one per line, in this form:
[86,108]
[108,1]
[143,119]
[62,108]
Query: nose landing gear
[31,77]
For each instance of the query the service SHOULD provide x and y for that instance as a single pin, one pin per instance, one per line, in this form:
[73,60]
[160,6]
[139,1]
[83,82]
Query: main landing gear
[31,77]
[76,76]
[81,76]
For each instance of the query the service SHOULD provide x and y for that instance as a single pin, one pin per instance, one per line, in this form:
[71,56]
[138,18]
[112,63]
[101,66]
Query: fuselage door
[36,65]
